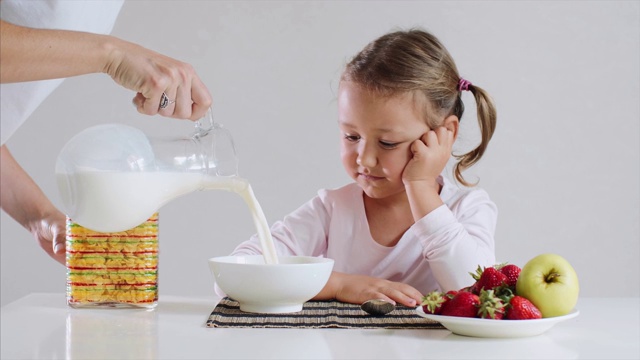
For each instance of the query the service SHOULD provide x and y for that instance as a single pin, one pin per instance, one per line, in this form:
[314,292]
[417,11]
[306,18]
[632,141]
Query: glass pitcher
[113,177]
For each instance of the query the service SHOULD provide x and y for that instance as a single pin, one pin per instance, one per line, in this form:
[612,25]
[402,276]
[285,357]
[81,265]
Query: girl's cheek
[397,162]
[345,151]
[348,157]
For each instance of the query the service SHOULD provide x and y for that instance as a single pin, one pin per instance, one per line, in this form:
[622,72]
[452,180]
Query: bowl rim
[317,260]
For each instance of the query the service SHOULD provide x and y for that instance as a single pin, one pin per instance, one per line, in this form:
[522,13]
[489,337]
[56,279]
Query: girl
[401,229]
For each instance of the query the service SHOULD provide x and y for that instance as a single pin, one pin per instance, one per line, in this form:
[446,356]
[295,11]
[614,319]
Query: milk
[118,201]
[243,188]
[260,221]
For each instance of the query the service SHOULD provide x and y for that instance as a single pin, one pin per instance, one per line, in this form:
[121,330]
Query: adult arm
[25,202]
[28,54]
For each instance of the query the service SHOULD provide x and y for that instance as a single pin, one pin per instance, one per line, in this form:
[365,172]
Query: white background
[563,167]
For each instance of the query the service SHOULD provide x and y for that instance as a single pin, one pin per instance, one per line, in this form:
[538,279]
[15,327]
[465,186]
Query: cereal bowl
[271,288]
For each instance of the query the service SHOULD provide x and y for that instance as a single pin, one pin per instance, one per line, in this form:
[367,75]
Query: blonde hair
[416,61]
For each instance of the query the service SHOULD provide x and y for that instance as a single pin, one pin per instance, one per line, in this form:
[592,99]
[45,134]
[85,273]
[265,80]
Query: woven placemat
[317,315]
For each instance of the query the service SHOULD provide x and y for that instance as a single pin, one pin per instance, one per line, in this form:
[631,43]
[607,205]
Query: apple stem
[551,277]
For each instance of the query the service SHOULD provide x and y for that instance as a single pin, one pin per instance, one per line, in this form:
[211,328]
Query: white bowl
[271,288]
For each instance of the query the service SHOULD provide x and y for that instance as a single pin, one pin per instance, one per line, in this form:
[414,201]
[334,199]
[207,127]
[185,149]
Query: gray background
[563,167]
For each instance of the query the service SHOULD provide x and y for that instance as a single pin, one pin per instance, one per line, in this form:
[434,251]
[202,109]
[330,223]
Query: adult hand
[357,289]
[50,234]
[25,202]
[37,54]
[151,74]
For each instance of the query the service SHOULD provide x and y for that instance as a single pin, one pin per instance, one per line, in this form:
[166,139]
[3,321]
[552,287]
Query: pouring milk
[113,177]
[116,201]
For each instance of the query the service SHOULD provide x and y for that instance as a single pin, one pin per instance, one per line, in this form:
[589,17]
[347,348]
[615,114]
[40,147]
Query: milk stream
[243,188]
[118,201]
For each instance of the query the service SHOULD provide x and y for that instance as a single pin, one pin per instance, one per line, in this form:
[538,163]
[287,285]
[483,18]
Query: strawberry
[464,304]
[522,309]
[512,272]
[433,302]
[476,276]
[491,306]
[488,279]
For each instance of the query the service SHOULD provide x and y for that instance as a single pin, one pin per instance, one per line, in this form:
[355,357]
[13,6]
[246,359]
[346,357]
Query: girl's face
[377,133]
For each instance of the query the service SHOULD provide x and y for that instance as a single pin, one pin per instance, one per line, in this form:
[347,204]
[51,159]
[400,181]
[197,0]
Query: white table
[42,326]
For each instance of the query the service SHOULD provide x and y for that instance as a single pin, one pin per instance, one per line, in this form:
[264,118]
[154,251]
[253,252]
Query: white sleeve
[19,100]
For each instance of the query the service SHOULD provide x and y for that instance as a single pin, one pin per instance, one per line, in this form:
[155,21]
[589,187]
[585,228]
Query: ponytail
[486,112]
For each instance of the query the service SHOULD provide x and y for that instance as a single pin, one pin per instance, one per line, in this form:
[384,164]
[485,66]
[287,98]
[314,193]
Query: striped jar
[112,270]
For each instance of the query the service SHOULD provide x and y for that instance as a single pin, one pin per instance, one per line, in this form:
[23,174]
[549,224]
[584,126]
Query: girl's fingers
[417,147]
[445,136]
[403,294]
[430,138]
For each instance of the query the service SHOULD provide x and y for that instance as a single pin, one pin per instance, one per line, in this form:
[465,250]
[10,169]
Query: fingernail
[57,248]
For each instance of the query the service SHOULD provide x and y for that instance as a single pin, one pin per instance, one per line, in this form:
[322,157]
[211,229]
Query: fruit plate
[496,328]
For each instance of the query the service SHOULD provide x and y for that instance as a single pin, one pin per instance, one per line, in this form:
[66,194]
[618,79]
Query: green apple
[550,283]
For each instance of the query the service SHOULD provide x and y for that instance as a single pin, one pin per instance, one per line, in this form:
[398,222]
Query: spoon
[377,307]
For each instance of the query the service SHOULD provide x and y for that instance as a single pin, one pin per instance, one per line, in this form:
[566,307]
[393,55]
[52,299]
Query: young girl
[401,229]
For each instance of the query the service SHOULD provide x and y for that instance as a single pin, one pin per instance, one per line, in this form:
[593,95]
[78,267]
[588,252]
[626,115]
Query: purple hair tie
[463,85]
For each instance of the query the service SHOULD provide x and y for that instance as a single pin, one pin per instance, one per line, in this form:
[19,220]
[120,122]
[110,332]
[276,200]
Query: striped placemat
[319,314]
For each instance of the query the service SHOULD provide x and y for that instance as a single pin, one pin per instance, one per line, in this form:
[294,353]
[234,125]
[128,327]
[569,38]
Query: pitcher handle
[205,124]
[217,146]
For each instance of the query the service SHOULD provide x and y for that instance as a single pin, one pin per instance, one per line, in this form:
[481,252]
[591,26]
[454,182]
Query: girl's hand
[150,74]
[429,157]
[430,154]
[356,289]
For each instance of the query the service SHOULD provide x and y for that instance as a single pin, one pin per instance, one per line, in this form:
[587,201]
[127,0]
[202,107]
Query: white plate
[489,328]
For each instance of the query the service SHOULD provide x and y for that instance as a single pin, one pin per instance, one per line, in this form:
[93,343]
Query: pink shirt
[435,253]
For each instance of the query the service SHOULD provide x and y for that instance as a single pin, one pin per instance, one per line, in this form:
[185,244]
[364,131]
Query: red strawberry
[476,276]
[433,302]
[511,272]
[489,279]
[522,309]
[464,304]
[451,293]
[491,306]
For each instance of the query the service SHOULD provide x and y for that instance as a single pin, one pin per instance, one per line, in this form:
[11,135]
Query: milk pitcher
[113,177]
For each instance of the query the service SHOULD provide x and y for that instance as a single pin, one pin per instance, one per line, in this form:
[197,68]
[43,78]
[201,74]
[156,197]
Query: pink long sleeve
[457,237]
[436,253]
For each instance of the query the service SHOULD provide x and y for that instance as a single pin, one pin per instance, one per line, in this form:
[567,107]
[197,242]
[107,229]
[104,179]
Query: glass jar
[112,270]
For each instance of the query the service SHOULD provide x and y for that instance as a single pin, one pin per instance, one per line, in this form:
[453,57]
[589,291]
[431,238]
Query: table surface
[42,326]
